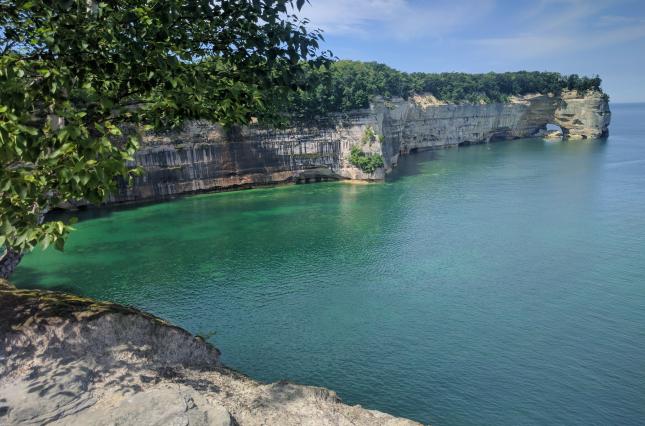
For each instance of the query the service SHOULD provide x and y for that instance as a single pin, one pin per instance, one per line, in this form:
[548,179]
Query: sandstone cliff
[205,157]
[68,360]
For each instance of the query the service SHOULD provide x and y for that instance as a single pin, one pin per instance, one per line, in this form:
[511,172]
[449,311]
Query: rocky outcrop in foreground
[206,157]
[67,360]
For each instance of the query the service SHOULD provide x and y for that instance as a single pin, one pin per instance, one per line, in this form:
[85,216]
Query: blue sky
[605,37]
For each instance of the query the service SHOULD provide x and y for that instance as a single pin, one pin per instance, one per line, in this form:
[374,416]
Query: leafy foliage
[366,162]
[349,85]
[79,79]
[370,136]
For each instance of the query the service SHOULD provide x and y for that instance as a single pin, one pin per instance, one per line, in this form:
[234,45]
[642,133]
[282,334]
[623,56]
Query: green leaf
[125,66]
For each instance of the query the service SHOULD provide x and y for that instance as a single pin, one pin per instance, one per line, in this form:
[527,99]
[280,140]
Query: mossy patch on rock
[20,307]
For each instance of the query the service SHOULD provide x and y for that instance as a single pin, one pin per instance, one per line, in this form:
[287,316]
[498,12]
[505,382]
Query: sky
[587,37]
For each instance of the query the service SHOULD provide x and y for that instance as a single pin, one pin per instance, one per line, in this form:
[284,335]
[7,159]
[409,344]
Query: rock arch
[582,116]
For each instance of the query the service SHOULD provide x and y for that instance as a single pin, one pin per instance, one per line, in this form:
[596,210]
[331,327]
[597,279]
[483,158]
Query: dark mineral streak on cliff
[203,156]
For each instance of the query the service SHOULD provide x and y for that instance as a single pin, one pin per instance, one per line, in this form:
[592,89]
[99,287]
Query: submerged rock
[553,134]
[69,360]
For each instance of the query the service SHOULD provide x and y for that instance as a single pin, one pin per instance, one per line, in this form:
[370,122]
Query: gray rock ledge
[68,360]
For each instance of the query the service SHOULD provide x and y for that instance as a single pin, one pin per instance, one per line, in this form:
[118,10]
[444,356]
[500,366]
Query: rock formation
[67,360]
[205,157]
[583,117]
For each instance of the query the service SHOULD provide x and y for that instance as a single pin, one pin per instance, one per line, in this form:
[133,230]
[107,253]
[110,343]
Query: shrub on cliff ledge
[74,73]
[366,162]
[370,136]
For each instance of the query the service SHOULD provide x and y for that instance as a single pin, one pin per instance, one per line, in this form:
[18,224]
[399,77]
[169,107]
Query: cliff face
[203,157]
[423,123]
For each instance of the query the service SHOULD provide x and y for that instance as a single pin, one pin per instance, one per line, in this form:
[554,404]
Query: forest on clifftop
[348,85]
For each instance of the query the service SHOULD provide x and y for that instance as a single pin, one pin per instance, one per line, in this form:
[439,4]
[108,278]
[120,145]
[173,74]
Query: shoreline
[74,360]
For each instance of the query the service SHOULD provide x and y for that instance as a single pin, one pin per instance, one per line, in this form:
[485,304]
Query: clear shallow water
[492,284]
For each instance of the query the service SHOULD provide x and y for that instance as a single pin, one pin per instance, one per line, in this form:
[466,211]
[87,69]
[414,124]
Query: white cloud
[398,19]
[542,45]
[524,45]
[614,20]
[555,27]
[537,29]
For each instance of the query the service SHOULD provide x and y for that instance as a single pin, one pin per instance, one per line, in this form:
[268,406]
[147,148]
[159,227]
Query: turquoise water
[491,284]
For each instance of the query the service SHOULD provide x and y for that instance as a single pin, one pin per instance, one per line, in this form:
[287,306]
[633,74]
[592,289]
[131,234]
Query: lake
[489,284]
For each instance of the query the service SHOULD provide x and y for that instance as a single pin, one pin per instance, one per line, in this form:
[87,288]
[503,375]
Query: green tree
[80,80]
[366,162]
[349,85]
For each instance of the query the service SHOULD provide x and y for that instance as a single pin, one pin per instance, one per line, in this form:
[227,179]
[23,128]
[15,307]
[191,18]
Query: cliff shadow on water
[411,165]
